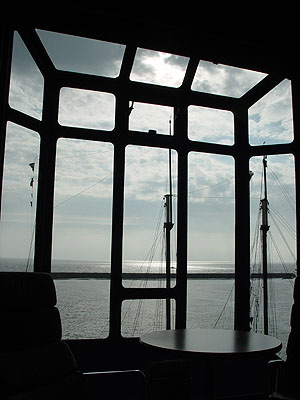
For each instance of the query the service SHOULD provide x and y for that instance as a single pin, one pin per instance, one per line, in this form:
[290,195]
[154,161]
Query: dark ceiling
[255,43]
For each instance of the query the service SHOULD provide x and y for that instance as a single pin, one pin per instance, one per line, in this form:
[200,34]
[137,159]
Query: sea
[83,301]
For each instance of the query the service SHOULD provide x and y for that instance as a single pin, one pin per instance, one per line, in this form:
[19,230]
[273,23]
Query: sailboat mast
[168,227]
[264,229]
[170,172]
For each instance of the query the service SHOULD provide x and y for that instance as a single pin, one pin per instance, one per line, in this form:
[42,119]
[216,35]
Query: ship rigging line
[283,238]
[101,180]
[144,282]
[30,247]
[284,222]
[291,202]
[32,165]
[224,307]
[209,186]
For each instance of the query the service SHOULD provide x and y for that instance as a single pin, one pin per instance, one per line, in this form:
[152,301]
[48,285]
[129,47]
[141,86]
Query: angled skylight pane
[224,80]
[86,109]
[271,117]
[26,81]
[158,68]
[20,182]
[78,54]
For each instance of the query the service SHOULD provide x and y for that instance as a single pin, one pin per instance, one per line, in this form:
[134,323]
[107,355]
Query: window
[146,186]
[280,241]
[211,303]
[83,55]
[210,125]
[151,118]
[142,316]
[83,195]
[84,306]
[211,207]
[270,119]
[112,194]
[86,109]
[210,241]
[19,197]
[158,68]
[82,232]
[26,83]
[224,80]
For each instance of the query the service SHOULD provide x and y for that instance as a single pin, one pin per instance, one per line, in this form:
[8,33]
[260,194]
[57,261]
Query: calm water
[84,303]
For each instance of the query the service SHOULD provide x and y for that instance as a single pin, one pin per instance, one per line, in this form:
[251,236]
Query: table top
[213,342]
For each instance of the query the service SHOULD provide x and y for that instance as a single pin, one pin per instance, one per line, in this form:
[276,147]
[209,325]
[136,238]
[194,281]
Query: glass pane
[20,179]
[83,195]
[280,246]
[210,125]
[83,306]
[146,193]
[211,241]
[151,117]
[224,80]
[158,68]
[143,316]
[210,301]
[81,236]
[211,207]
[271,118]
[78,54]
[86,109]
[26,83]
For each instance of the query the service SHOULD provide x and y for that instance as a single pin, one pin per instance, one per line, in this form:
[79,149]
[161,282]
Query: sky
[83,185]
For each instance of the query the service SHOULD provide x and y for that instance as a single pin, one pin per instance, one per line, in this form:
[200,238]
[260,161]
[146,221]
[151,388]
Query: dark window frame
[180,99]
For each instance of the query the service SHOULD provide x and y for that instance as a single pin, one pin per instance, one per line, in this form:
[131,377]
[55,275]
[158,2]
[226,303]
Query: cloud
[22,148]
[147,173]
[211,207]
[83,55]
[211,176]
[83,169]
[280,174]
[271,119]
[210,125]
[145,117]
[17,217]
[27,83]
[86,109]
[158,68]
[224,80]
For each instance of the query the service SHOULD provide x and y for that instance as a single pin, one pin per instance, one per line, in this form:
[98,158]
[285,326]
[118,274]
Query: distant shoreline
[153,275]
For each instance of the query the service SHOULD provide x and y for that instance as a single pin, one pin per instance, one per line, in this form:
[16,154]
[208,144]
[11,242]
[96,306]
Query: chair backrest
[35,362]
[293,345]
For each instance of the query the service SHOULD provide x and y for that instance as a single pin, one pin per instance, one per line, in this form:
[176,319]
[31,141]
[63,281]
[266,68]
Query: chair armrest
[281,396]
[130,383]
[274,371]
[276,364]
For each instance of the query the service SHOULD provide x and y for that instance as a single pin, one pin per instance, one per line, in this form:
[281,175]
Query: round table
[212,342]
[238,349]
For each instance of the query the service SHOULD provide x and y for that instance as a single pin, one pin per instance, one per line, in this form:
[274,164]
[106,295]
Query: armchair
[35,362]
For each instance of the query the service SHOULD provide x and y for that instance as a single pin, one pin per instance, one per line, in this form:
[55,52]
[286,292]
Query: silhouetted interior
[259,47]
